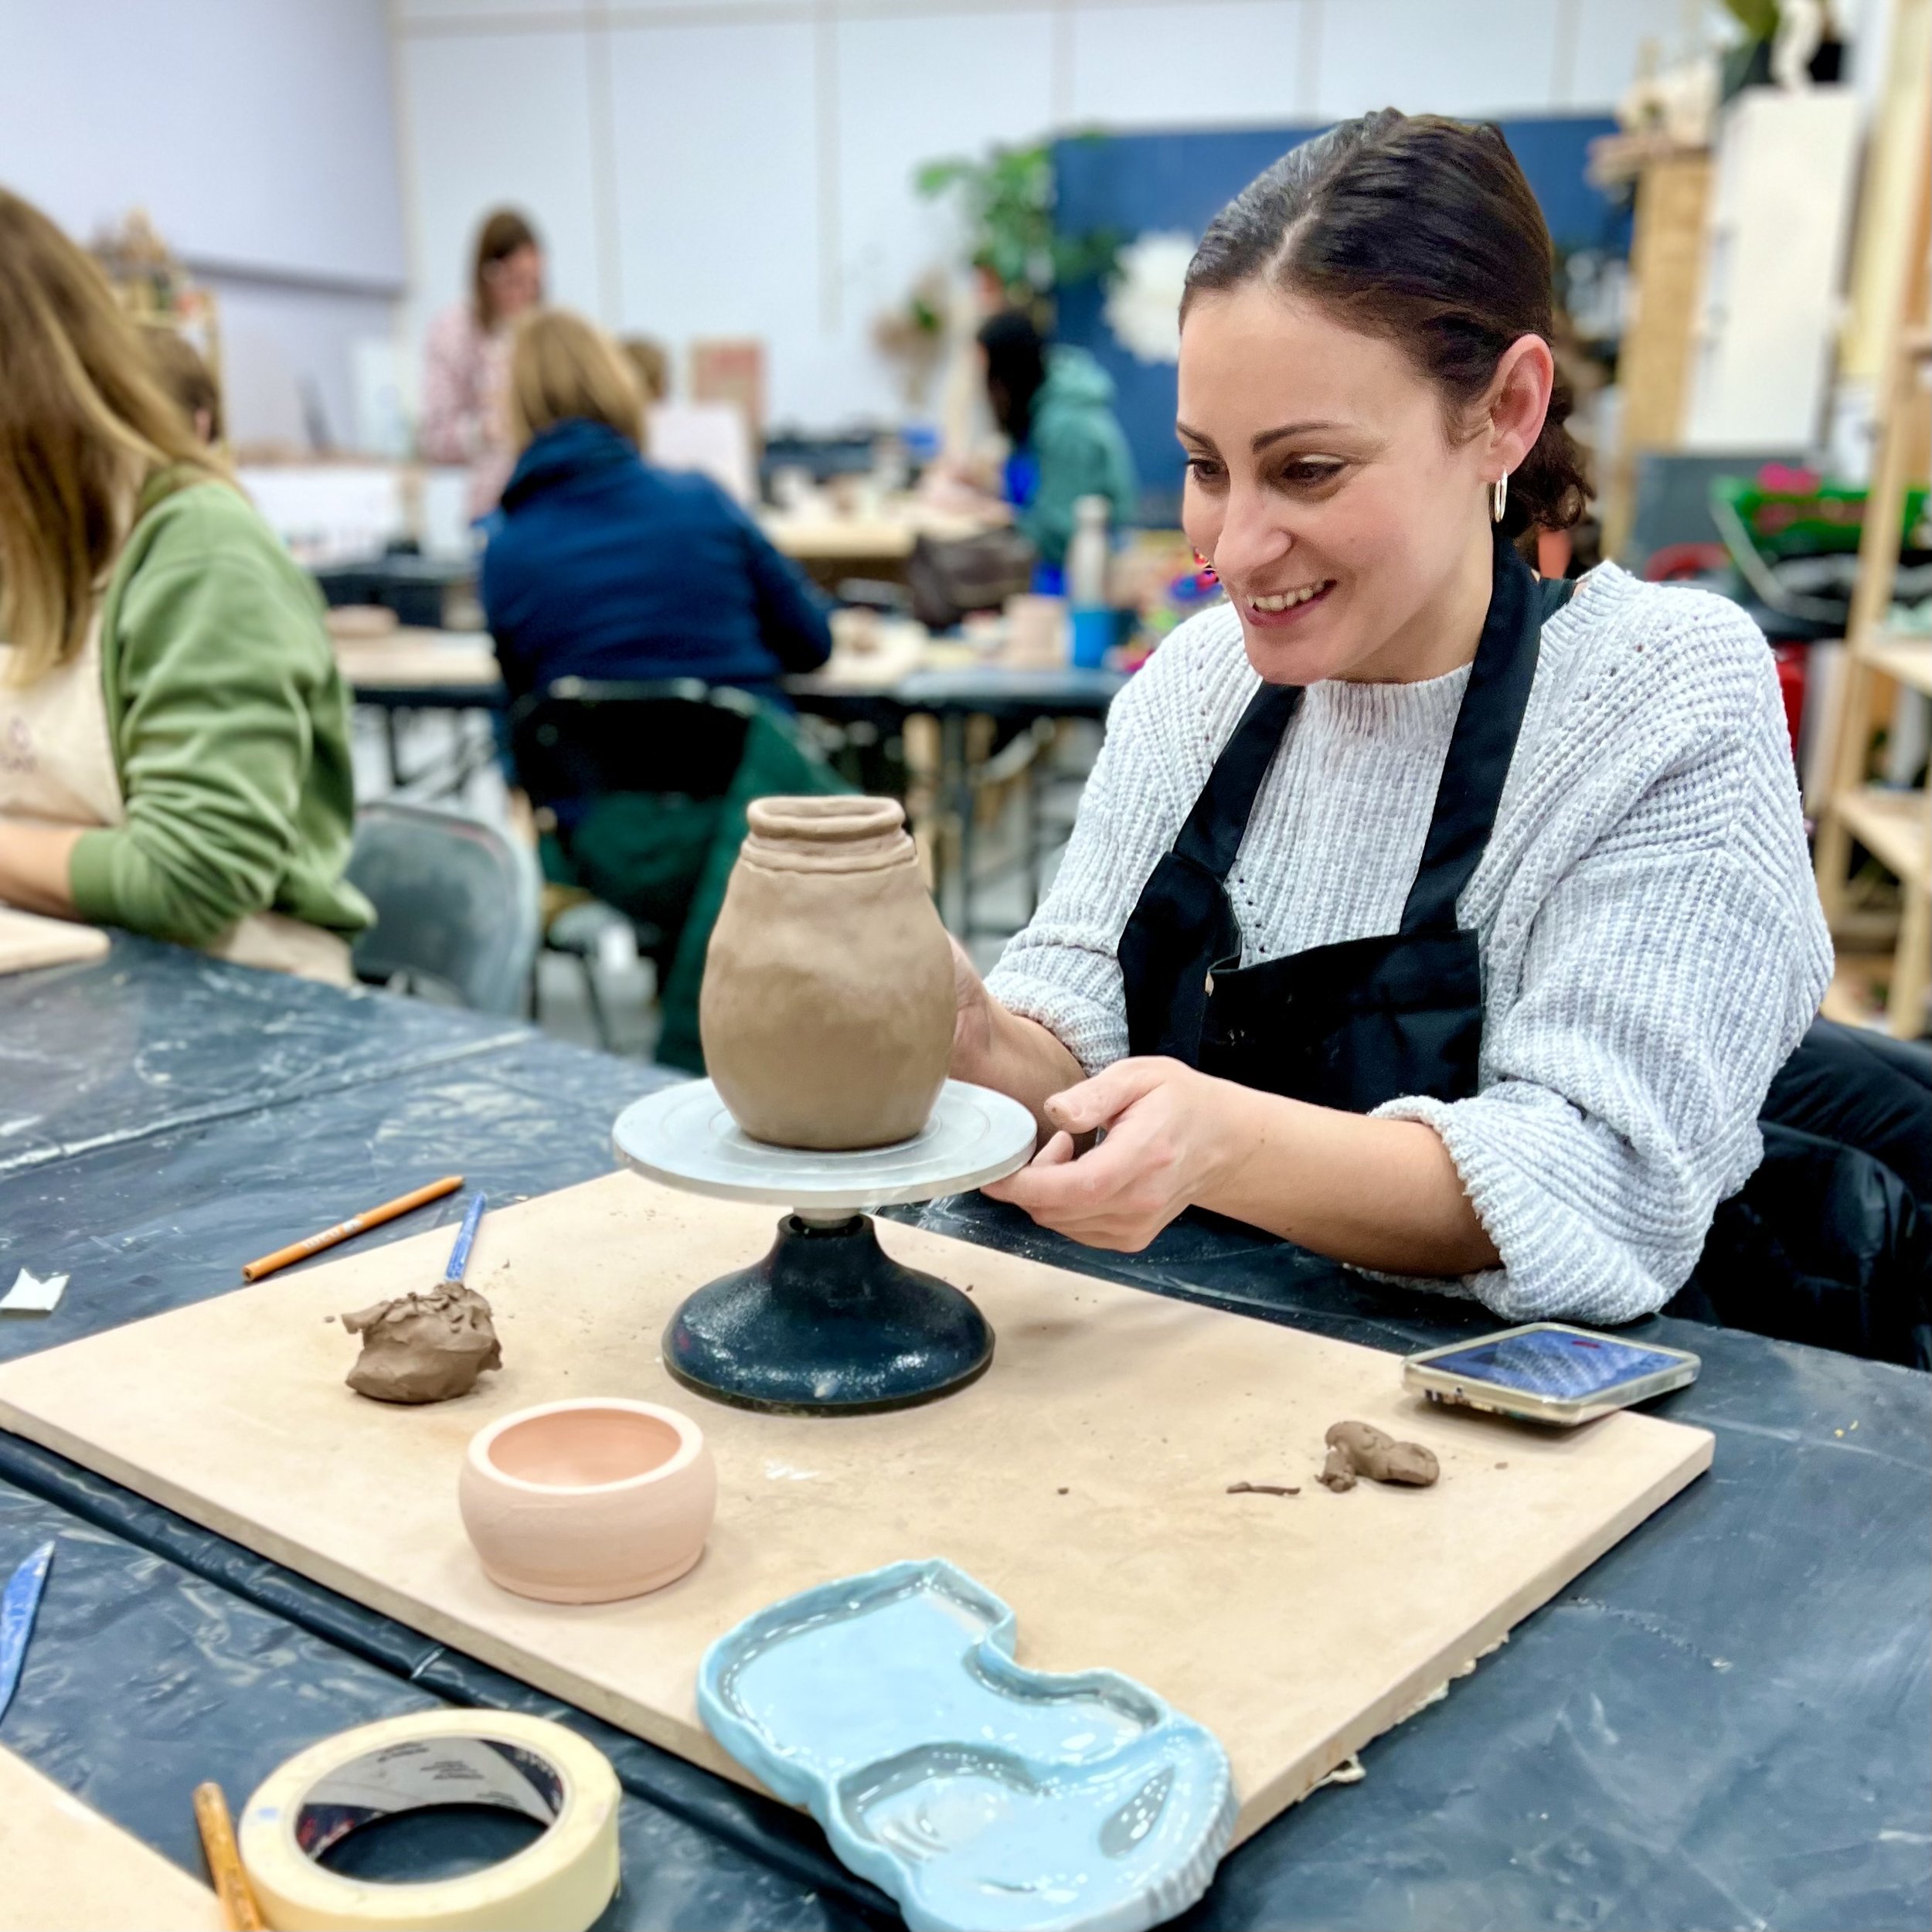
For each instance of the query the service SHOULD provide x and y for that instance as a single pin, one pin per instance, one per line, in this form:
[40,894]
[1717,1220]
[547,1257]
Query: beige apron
[57,767]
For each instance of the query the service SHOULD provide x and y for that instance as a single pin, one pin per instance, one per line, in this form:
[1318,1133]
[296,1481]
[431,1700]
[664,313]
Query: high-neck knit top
[1652,944]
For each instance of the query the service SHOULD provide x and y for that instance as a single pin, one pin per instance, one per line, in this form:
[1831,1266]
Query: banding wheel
[827,1323]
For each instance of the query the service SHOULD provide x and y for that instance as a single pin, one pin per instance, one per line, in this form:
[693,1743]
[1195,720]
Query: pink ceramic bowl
[587,1501]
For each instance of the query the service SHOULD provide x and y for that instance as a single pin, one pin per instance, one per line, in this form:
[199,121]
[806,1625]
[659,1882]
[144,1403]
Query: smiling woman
[1446,922]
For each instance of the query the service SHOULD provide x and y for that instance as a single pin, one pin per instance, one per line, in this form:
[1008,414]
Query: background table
[831,544]
[1728,1720]
[417,670]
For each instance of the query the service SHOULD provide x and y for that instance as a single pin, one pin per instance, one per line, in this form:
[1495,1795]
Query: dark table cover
[1726,1721]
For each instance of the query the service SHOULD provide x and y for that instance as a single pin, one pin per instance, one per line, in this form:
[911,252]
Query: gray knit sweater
[1651,942]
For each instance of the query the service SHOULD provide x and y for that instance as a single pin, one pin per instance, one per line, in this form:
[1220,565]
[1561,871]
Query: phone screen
[1548,1363]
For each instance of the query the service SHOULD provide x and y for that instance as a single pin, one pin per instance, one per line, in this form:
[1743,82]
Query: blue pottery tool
[465,1235]
[18,1603]
[984,1797]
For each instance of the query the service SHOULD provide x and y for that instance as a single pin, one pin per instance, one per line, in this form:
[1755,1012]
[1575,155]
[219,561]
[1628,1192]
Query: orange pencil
[238,1911]
[375,1217]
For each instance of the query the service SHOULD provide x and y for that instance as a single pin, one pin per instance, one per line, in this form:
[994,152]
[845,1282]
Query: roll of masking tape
[560,1883]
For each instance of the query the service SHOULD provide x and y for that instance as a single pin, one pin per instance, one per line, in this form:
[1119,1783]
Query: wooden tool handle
[238,1911]
[373,1218]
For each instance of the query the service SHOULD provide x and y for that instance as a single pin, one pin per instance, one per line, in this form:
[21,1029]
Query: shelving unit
[1666,269]
[1893,824]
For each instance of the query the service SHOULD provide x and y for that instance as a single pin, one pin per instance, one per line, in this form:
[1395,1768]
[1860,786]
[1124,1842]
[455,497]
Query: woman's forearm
[34,862]
[1379,1193]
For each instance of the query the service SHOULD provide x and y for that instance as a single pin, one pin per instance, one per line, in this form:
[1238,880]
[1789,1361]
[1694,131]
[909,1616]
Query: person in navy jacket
[600,565]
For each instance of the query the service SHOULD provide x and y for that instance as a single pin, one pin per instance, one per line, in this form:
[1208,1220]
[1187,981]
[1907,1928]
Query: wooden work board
[64,1867]
[1083,1478]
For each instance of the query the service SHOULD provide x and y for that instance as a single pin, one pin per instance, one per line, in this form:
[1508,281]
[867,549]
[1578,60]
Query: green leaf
[1007,199]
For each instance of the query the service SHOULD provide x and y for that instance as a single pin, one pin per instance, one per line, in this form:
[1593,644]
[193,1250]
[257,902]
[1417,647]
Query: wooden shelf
[1893,827]
[1907,659]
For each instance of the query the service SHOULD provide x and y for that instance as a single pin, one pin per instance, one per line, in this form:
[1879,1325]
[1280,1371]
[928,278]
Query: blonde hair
[84,423]
[562,366]
[651,364]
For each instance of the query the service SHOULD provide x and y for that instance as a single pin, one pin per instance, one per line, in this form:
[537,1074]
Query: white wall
[698,167]
[713,167]
[258,135]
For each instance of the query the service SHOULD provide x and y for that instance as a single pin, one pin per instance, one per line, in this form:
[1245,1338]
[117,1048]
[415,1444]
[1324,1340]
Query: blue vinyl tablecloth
[1726,1721]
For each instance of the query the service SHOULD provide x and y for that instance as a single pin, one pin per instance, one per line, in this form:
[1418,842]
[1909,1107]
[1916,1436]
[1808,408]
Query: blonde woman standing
[174,732]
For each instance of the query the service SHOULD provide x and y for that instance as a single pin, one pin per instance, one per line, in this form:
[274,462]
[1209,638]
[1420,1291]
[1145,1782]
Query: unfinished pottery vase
[827,1010]
[587,1501]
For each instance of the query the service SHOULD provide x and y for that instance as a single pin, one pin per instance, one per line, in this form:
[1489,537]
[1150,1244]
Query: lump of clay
[1360,1449]
[423,1348]
[828,1005]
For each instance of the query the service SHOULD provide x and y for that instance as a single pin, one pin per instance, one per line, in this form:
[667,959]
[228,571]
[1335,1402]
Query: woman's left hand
[1169,1137]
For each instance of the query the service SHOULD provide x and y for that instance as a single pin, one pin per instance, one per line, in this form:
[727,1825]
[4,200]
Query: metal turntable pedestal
[827,1324]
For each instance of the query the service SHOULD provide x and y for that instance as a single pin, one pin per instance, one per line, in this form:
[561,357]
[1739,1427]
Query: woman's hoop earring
[1499,496]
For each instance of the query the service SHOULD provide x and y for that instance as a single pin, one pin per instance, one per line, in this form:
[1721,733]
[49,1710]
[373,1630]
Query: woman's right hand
[972,1020]
[992,1047]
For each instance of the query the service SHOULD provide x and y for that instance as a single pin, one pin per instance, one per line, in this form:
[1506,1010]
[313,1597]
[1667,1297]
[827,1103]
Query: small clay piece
[826,1009]
[1261,1489]
[423,1348]
[1360,1449]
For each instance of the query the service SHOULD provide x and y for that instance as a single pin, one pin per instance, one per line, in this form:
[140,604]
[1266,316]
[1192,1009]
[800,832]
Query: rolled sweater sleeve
[1665,976]
[216,657]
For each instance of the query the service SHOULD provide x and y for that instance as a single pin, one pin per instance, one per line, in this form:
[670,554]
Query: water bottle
[1086,562]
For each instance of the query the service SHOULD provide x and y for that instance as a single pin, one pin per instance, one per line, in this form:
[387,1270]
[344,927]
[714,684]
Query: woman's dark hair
[503,232]
[1016,368]
[1422,231]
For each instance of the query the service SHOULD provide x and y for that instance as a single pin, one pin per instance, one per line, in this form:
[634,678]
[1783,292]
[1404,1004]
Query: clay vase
[827,1009]
[588,1500]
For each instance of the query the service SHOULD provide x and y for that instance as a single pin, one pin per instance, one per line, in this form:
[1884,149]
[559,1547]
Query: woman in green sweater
[174,732]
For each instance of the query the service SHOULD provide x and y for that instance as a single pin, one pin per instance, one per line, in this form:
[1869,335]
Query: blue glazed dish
[983,1796]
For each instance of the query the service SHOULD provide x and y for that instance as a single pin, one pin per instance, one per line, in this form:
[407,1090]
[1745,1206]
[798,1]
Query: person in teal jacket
[1055,406]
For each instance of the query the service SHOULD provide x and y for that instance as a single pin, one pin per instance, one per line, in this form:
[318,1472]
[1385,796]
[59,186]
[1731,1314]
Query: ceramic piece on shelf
[828,1004]
[587,1501]
[982,1796]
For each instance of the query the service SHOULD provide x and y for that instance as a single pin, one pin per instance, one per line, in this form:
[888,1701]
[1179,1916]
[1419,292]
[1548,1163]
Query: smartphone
[1548,1372]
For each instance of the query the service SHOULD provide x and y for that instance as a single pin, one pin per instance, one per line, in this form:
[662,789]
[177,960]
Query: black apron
[1364,1021]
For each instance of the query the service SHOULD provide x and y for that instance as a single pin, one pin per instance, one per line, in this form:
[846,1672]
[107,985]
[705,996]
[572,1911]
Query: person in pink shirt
[466,358]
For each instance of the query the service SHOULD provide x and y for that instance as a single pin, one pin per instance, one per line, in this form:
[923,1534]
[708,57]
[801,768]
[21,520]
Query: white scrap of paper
[30,1295]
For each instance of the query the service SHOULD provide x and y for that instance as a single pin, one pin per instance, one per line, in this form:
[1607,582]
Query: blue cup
[1094,631]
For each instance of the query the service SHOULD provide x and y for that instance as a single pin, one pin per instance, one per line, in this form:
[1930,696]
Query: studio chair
[456,906]
[580,741]
[644,786]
